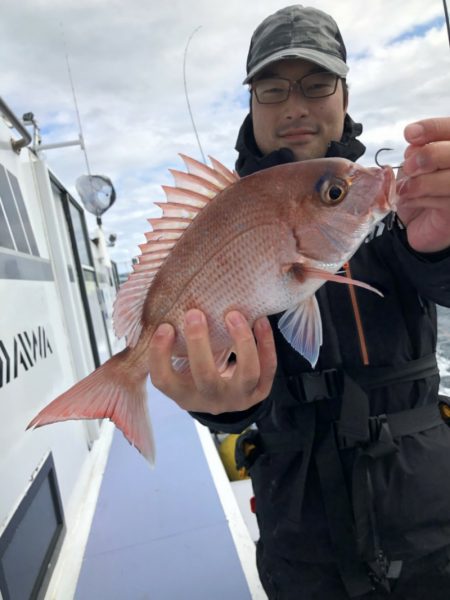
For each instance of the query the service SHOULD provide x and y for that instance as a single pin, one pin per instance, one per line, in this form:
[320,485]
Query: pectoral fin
[302,328]
[303,272]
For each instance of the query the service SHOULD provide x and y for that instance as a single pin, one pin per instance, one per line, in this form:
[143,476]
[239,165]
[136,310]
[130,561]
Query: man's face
[305,125]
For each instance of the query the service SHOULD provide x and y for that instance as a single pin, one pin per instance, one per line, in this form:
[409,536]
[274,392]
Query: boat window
[16,232]
[34,534]
[80,234]
[87,278]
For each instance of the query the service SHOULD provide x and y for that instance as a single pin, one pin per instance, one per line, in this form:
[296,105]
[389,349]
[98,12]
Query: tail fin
[109,392]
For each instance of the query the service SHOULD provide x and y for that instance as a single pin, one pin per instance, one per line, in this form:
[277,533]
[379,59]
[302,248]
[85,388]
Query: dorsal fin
[231,176]
[213,175]
[177,209]
[168,234]
[192,192]
[195,183]
[178,195]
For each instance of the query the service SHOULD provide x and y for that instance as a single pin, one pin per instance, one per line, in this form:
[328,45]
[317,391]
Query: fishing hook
[385,150]
[393,217]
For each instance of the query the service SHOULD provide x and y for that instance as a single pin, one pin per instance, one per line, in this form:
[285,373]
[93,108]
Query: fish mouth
[389,190]
[386,200]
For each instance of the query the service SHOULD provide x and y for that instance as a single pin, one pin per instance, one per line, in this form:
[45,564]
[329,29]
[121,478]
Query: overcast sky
[126,60]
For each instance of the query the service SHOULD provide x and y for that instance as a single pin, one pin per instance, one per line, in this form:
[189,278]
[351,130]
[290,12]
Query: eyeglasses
[273,90]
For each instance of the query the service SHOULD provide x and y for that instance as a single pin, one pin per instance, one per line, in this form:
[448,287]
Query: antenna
[187,95]
[96,191]
[75,101]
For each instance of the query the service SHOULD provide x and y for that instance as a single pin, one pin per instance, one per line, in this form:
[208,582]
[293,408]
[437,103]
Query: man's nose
[297,104]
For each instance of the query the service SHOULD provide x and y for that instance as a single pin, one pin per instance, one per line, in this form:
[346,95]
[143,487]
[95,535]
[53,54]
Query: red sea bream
[262,244]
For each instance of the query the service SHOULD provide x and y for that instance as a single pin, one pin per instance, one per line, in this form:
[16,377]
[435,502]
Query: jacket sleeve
[429,272]
[233,422]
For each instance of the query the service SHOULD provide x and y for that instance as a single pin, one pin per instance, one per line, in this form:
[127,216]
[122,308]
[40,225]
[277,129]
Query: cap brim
[331,63]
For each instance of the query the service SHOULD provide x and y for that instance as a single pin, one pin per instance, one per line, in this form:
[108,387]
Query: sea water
[443,350]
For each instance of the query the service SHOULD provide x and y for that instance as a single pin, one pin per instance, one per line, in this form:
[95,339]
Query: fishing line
[187,95]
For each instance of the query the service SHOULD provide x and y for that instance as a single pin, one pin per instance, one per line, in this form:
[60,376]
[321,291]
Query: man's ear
[345,93]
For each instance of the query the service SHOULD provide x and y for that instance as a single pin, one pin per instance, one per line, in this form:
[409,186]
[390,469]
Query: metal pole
[447,20]
[60,145]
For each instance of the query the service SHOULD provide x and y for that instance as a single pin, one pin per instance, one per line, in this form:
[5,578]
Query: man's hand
[204,389]
[424,194]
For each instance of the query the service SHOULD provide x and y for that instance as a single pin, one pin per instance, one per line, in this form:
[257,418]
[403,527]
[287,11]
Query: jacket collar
[251,160]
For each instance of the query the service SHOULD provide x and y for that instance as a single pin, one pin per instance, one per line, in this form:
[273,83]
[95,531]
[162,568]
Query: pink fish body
[262,245]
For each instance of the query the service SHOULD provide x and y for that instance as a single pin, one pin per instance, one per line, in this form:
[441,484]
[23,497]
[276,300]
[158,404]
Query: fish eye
[333,192]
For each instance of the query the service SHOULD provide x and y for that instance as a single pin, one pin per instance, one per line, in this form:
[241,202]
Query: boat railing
[17,145]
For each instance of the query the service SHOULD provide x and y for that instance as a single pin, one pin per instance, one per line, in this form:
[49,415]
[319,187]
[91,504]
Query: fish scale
[261,244]
[252,286]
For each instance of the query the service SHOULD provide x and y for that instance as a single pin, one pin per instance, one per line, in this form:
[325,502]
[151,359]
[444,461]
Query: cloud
[126,61]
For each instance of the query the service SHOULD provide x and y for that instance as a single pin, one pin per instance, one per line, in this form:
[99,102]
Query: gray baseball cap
[297,32]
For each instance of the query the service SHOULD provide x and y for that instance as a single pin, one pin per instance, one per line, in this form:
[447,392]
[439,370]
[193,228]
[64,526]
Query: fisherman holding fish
[349,460]
[335,394]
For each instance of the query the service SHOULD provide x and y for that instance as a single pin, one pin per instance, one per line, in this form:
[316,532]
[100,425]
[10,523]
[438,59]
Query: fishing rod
[447,20]
[187,95]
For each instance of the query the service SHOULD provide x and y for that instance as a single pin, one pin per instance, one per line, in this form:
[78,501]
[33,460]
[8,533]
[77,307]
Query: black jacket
[321,493]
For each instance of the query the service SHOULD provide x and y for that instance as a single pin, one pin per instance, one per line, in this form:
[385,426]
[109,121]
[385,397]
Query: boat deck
[162,533]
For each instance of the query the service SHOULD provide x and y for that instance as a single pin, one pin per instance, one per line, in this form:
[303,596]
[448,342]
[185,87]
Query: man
[349,462]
